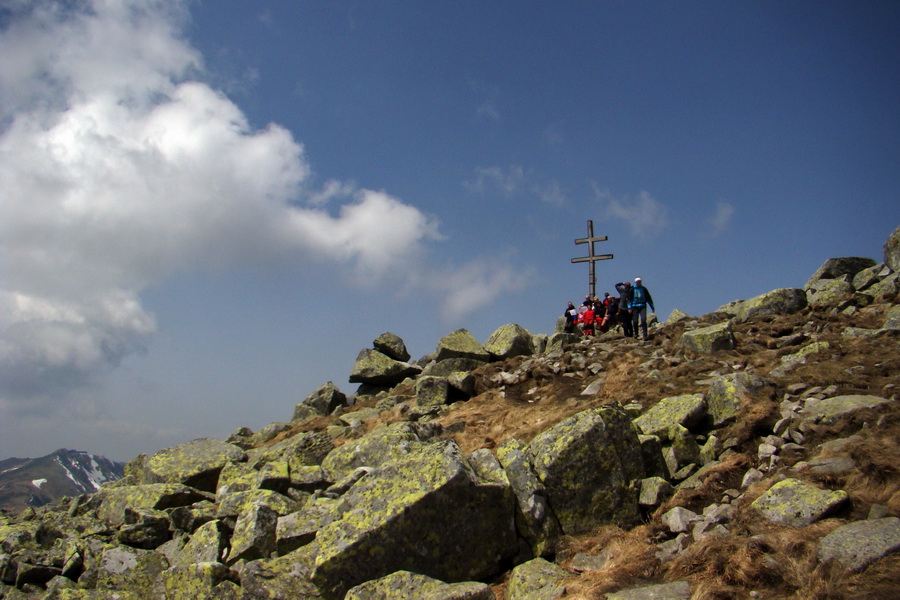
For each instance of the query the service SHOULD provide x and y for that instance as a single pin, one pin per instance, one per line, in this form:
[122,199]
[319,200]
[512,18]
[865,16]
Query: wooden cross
[592,258]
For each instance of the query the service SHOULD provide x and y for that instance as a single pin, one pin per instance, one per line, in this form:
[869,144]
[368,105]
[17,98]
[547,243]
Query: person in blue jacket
[639,300]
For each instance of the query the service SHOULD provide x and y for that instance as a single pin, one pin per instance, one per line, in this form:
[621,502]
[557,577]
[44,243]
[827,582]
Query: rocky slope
[751,452]
[35,482]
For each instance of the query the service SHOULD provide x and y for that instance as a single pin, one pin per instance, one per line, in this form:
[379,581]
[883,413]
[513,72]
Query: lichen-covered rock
[826,293]
[432,391]
[254,534]
[796,503]
[426,512]
[145,528]
[591,466]
[535,520]
[560,342]
[857,545]
[685,449]
[460,344]
[238,503]
[677,315]
[892,250]
[508,341]
[677,590]
[707,340]
[885,289]
[892,320]
[784,301]
[196,463]
[728,393]
[655,491]
[201,581]
[207,544]
[130,569]
[537,579]
[376,447]
[393,346]
[791,361]
[376,368]
[652,455]
[839,268]
[830,410]
[867,277]
[404,584]
[449,366]
[285,577]
[324,401]
[300,528]
[307,448]
[157,496]
[686,411]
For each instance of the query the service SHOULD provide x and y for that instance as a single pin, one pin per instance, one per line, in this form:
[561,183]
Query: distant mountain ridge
[35,482]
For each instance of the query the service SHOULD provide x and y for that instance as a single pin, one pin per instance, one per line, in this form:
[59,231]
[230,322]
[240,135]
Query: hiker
[624,289]
[587,320]
[569,314]
[640,299]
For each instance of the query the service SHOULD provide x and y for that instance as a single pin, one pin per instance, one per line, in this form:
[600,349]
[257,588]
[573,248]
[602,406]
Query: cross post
[592,257]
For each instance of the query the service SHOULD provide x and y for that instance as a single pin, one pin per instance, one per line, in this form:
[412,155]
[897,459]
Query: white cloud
[475,285]
[645,216]
[121,167]
[720,221]
[508,181]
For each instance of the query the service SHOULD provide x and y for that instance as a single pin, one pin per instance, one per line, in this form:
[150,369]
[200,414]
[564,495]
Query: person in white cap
[639,300]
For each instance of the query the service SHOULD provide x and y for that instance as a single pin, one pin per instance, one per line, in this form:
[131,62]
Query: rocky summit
[748,453]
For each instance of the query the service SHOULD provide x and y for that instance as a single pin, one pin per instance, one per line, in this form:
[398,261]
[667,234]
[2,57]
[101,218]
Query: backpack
[638,297]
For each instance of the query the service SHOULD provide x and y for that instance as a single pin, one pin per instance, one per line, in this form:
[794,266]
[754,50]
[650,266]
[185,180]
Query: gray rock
[508,341]
[678,590]
[591,466]
[460,344]
[432,391]
[679,519]
[835,268]
[796,503]
[892,250]
[782,301]
[376,447]
[376,368]
[196,463]
[393,346]
[826,293]
[707,340]
[404,584]
[655,491]
[686,411]
[427,511]
[324,401]
[859,544]
[832,466]
[254,534]
[537,579]
[830,410]
[892,320]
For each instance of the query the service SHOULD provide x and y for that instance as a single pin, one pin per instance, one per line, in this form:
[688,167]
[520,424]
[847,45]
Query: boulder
[827,293]
[839,268]
[508,341]
[537,579]
[885,289]
[857,545]
[196,463]
[392,346]
[591,466]
[404,584]
[707,340]
[560,342]
[133,570]
[892,320]
[796,503]
[376,447]
[867,277]
[449,366]
[254,534]
[655,491]
[115,501]
[426,512]
[728,393]
[307,448]
[460,344]
[830,410]
[791,361]
[686,411]
[209,543]
[535,520]
[677,590]
[432,391]
[324,401]
[677,315]
[299,528]
[784,301]
[285,577]
[376,368]
[238,503]
[145,528]
[202,581]
[892,250]
[685,449]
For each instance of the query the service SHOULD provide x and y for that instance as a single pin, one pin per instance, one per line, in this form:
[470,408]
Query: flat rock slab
[796,503]
[830,410]
[405,584]
[686,411]
[678,590]
[859,544]
[537,579]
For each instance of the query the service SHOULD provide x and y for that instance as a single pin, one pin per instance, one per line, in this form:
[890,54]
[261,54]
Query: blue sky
[208,208]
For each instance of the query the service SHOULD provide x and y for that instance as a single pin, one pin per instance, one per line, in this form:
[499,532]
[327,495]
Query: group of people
[629,310]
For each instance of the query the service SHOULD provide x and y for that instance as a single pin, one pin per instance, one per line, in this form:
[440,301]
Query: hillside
[748,453]
[33,482]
